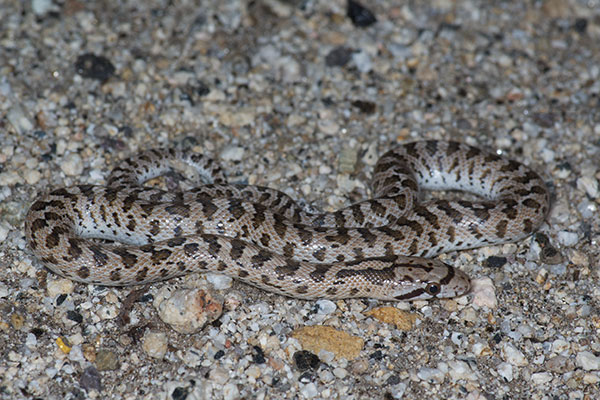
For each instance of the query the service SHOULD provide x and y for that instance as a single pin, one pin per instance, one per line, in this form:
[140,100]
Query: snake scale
[379,248]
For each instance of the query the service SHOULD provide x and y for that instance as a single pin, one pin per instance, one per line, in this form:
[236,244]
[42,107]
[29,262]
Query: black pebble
[219,354]
[259,357]
[95,67]
[496,262]
[306,377]
[497,338]
[180,393]
[580,25]
[306,360]
[202,89]
[75,316]
[367,107]
[39,134]
[60,299]
[339,56]
[90,379]
[126,131]
[360,16]
[376,355]
[147,298]
[38,332]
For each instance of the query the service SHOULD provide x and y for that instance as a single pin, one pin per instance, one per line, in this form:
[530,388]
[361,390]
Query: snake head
[421,279]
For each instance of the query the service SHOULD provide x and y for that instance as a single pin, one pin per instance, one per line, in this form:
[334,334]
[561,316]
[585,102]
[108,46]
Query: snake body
[378,248]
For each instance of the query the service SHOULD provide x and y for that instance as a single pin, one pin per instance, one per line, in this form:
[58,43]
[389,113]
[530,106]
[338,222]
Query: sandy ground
[295,96]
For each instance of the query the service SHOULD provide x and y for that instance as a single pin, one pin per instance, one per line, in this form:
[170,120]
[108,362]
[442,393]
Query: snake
[128,233]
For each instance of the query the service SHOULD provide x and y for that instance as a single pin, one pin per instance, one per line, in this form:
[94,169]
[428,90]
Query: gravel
[303,96]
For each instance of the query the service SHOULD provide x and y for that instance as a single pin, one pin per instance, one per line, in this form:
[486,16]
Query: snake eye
[433,288]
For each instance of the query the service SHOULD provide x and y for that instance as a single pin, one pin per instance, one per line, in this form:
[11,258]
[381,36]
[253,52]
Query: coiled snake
[378,248]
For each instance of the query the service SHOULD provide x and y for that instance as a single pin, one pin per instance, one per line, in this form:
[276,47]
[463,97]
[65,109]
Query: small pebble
[10,178]
[391,315]
[317,337]
[505,370]
[591,379]
[189,310]
[288,69]
[359,366]
[326,376]
[398,390]
[481,349]
[484,293]
[359,14]
[218,375]
[363,61]
[106,360]
[4,230]
[76,355]
[74,316]
[3,290]
[32,176]
[550,255]
[19,120]
[548,155]
[328,126]
[108,311]
[557,364]
[541,377]
[457,338]
[235,118]
[155,344]
[589,185]
[496,262]
[326,356]
[180,393]
[72,164]
[232,153]
[259,356]
[430,375]
[560,346]
[253,372]
[340,373]
[567,238]
[526,330]
[219,281]
[460,370]
[94,67]
[587,209]
[91,379]
[513,356]
[326,306]
[30,340]
[17,320]
[231,392]
[367,107]
[347,160]
[309,390]
[59,286]
[588,361]
[339,56]
[41,7]
[305,360]
[51,372]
